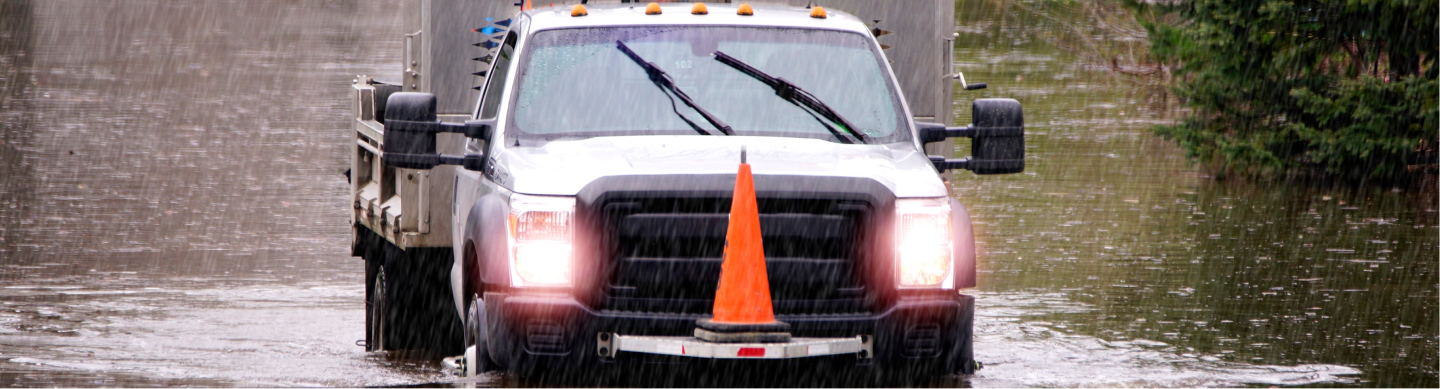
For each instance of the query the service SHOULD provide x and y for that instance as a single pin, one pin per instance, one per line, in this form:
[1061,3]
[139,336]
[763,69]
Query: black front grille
[665,253]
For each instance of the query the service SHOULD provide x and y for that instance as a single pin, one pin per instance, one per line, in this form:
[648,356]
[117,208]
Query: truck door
[471,185]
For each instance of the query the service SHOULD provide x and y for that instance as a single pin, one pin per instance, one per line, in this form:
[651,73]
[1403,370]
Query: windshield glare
[575,83]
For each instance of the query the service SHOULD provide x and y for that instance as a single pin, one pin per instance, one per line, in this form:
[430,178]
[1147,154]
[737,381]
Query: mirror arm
[960,132]
[943,164]
[473,162]
[931,133]
[477,129]
[969,131]
[1011,165]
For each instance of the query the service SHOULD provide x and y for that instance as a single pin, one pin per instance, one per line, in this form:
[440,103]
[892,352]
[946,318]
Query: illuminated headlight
[540,239]
[922,243]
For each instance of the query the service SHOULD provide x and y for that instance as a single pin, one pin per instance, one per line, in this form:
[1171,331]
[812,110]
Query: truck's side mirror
[408,142]
[998,133]
[999,145]
[410,128]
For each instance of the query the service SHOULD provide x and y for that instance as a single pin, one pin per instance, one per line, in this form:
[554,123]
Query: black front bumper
[540,332]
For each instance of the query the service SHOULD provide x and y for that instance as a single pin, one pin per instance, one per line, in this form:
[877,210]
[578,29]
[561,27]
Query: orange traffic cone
[742,311]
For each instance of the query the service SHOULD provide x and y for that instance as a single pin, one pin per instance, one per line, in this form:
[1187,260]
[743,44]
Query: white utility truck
[549,187]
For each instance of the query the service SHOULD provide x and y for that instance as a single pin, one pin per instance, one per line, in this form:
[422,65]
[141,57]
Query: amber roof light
[699,9]
[579,10]
[817,12]
[745,10]
[652,9]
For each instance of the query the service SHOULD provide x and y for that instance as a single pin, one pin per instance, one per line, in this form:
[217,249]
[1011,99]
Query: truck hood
[562,168]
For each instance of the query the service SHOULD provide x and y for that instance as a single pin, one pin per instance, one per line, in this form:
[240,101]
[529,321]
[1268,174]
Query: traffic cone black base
[774,332]
[775,326]
[742,337]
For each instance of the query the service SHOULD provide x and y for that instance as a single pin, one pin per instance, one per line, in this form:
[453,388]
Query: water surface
[172,213]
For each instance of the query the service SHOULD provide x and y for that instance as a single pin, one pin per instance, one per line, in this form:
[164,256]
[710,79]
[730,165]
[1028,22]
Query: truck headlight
[922,243]
[541,228]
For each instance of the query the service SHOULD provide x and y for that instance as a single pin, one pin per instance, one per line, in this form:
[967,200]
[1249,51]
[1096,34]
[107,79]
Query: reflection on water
[172,213]
[1157,265]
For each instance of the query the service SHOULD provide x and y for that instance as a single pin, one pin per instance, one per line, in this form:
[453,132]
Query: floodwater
[172,212]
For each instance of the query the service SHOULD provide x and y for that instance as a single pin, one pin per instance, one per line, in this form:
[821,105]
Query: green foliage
[1344,87]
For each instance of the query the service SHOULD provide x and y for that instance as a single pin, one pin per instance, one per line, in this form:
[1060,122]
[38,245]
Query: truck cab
[590,187]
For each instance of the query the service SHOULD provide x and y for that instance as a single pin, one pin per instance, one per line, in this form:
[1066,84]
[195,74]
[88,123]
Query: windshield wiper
[665,83]
[795,95]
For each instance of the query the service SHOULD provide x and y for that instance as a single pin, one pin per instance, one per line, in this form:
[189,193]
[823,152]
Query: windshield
[576,83]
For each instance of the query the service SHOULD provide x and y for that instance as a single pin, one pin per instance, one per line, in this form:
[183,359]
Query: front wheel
[477,352]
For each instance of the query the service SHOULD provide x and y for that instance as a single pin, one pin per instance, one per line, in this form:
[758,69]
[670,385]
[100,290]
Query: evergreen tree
[1343,87]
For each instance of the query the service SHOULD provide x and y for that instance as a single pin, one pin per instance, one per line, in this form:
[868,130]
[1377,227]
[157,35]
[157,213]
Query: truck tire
[408,299]
[477,337]
[370,248]
[377,323]
[420,310]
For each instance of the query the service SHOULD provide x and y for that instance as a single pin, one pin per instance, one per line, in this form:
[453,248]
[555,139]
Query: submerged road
[172,212]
